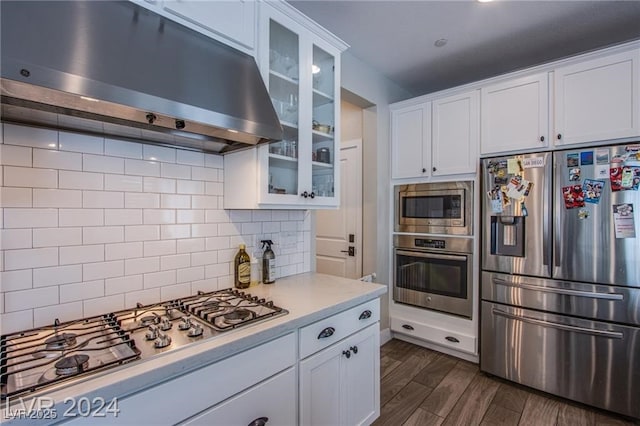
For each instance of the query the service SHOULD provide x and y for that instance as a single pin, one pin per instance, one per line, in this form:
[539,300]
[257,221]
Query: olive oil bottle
[242,268]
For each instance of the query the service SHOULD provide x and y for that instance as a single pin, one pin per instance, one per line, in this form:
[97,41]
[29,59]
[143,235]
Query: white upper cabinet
[598,99]
[410,141]
[455,133]
[515,115]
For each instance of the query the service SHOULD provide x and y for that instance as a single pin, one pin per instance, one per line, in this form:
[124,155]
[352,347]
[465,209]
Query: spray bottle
[268,263]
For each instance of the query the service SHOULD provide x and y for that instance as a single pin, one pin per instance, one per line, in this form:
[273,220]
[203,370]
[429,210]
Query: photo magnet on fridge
[573,160]
[573,196]
[624,221]
[592,190]
[602,156]
[574,174]
[586,158]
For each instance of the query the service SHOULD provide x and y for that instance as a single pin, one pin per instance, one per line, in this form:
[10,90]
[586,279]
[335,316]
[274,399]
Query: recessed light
[440,42]
[484,1]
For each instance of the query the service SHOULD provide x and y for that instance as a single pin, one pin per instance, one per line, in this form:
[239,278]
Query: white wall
[363,81]
[91,225]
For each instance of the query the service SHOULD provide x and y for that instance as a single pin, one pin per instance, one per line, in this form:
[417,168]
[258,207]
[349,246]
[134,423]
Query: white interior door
[334,228]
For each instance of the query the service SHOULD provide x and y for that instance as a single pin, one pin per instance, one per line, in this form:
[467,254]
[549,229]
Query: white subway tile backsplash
[99,270]
[144,297]
[15,280]
[61,160]
[141,201]
[175,291]
[56,275]
[204,202]
[190,216]
[52,237]
[141,168]
[12,322]
[16,197]
[261,215]
[280,215]
[210,284]
[81,217]
[102,305]
[62,312]
[125,183]
[28,299]
[176,171]
[142,265]
[218,243]
[270,227]
[124,284]
[217,270]
[190,245]
[190,158]
[81,254]
[159,153]
[217,216]
[202,173]
[15,239]
[63,198]
[26,177]
[123,251]
[190,274]
[191,187]
[204,258]
[81,143]
[30,136]
[159,279]
[30,258]
[102,164]
[214,188]
[229,229]
[102,199]
[118,148]
[175,261]
[80,180]
[204,230]
[158,216]
[13,155]
[123,217]
[81,291]
[252,228]
[175,231]
[164,185]
[171,201]
[214,161]
[141,232]
[238,216]
[102,234]
[159,248]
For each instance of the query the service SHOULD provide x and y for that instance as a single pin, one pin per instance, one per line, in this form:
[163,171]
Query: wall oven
[434,208]
[434,273]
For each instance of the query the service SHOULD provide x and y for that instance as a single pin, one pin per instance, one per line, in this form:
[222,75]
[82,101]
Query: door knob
[351,251]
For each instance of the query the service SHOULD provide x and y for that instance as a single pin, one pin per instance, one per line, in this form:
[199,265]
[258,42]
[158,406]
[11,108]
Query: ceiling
[483,39]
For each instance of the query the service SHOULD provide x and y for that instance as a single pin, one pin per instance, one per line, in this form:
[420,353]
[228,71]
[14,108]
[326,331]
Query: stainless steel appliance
[560,281]
[434,208]
[434,273]
[35,359]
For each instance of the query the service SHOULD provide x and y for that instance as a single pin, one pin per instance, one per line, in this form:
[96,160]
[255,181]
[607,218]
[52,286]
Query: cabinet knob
[424,170]
[559,136]
[260,421]
[312,195]
[354,349]
[327,332]
[347,354]
[433,169]
[365,314]
[305,194]
[541,138]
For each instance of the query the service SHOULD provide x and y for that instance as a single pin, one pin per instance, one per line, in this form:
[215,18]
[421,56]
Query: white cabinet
[410,141]
[515,115]
[598,99]
[436,138]
[302,73]
[455,134]
[340,384]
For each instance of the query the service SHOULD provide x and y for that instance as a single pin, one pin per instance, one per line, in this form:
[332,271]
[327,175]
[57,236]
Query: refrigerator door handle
[568,292]
[590,331]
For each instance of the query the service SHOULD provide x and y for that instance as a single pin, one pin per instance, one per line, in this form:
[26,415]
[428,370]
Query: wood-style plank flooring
[421,387]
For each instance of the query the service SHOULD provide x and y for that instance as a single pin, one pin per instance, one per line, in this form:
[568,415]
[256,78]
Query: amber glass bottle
[242,269]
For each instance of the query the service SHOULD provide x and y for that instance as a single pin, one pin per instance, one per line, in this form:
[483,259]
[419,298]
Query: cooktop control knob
[195,331]
[185,324]
[162,341]
[165,324]
[152,334]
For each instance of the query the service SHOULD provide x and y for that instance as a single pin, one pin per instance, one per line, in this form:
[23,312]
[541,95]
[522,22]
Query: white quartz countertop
[308,297]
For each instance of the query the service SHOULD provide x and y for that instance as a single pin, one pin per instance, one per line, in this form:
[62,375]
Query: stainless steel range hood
[115,68]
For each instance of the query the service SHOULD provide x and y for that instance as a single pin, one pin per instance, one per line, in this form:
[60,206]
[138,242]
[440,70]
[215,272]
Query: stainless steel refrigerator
[560,279]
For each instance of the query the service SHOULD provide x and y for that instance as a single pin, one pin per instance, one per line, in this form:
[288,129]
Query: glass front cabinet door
[300,65]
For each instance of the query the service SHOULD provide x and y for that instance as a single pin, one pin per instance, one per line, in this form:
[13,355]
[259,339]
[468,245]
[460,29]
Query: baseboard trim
[385,336]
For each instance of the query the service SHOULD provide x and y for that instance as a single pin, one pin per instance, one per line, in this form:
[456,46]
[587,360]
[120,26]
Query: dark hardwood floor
[423,387]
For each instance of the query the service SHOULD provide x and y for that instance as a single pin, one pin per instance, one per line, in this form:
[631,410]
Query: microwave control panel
[429,243]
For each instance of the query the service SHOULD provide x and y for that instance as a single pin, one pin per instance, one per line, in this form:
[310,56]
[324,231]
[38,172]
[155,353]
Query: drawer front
[439,336]
[326,332]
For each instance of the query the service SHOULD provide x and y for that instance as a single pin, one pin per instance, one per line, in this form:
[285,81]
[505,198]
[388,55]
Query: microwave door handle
[431,255]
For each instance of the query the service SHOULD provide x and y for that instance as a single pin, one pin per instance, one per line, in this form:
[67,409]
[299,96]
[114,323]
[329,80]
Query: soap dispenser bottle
[268,263]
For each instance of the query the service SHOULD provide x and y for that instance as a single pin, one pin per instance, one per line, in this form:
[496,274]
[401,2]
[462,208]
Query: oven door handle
[431,255]
[551,324]
[564,291]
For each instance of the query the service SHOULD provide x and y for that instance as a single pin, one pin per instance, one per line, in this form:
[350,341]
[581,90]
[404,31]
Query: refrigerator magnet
[624,221]
[592,190]
[586,158]
[615,177]
[573,160]
[602,156]
[574,174]
[573,196]
[583,214]
[514,166]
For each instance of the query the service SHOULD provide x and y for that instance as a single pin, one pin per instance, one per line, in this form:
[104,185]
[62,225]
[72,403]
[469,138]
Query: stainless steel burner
[238,315]
[60,341]
[72,364]
[148,320]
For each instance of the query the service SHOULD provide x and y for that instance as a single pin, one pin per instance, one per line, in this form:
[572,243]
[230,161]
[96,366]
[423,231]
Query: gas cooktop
[35,359]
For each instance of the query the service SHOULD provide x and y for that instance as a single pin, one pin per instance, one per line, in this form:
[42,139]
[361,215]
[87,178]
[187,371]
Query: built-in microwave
[434,208]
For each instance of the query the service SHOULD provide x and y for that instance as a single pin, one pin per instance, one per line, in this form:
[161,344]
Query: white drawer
[458,341]
[325,332]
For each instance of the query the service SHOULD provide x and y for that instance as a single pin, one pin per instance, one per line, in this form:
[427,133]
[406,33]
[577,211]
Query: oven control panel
[429,243]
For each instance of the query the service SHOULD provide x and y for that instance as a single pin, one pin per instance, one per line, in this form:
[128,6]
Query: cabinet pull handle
[541,138]
[365,315]
[327,332]
[260,421]
[347,354]
[354,349]
[452,339]
[559,136]
[407,327]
